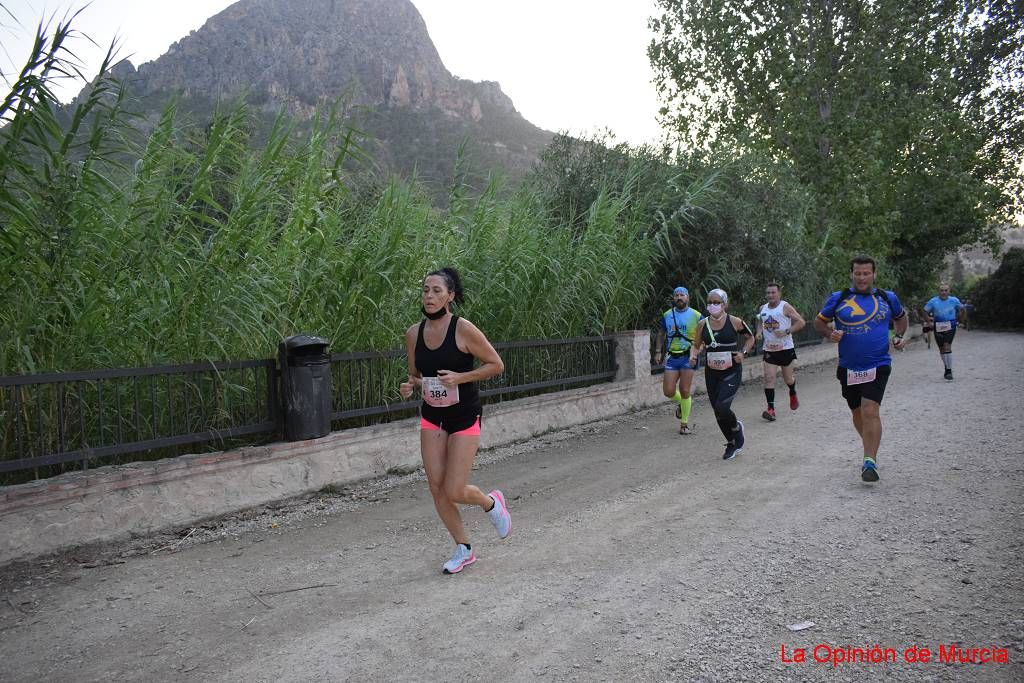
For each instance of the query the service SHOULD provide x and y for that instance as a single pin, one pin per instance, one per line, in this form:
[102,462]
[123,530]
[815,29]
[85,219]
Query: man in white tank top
[776,323]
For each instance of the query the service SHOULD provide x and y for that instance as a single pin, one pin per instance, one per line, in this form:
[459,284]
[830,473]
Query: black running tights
[722,386]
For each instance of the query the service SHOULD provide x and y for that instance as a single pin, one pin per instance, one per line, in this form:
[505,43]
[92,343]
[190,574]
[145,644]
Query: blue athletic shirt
[944,311]
[864,320]
[680,328]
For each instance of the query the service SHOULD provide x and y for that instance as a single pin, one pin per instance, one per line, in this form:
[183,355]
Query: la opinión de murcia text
[840,655]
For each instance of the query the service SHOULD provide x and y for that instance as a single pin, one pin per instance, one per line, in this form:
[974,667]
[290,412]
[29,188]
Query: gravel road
[636,554]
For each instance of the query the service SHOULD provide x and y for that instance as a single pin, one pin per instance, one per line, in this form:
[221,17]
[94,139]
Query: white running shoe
[462,557]
[499,515]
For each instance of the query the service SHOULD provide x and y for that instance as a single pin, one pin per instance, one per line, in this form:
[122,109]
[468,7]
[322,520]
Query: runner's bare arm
[471,340]
[822,327]
[901,324]
[697,345]
[743,330]
[798,320]
[406,388]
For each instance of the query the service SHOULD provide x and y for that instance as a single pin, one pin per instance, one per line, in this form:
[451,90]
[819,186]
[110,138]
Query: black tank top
[448,357]
[726,337]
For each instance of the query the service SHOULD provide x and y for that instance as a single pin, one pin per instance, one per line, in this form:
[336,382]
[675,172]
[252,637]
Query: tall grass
[191,244]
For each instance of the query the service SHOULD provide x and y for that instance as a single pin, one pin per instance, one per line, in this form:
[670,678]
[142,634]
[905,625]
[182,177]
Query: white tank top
[774,319]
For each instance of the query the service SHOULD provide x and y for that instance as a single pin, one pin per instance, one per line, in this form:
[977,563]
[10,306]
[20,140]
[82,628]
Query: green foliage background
[902,120]
[997,297]
[208,248]
[215,238]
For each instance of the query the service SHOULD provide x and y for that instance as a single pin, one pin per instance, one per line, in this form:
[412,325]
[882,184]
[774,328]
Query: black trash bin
[305,386]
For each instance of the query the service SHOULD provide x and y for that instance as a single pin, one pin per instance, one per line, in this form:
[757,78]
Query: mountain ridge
[376,56]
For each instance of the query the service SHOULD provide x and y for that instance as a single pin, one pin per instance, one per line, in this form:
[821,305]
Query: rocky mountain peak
[305,52]
[374,56]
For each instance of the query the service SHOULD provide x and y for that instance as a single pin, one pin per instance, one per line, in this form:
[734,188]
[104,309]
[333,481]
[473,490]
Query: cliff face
[976,261]
[374,55]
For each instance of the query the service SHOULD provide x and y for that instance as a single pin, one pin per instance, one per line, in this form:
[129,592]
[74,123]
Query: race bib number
[773,345]
[719,360]
[860,376]
[437,394]
[944,326]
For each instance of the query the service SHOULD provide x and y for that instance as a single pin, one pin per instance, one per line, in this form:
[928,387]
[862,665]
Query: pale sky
[574,65]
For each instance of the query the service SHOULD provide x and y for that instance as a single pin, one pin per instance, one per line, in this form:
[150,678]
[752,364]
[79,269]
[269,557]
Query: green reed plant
[205,248]
[191,243]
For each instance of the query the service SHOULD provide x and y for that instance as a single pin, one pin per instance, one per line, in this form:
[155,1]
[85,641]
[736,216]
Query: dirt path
[636,554]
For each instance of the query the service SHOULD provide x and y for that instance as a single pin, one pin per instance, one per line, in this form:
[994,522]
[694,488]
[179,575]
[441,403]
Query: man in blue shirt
[943,312]
[858,319]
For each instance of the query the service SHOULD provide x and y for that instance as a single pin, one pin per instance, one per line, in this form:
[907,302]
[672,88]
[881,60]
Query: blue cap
[681,290]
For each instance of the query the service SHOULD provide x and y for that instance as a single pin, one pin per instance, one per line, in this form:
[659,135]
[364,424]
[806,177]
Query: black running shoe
[869,472]
[949,374]
[730,451]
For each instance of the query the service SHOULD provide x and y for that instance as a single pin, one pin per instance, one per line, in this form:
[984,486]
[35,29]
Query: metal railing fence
[531,367]
[53,423]
[53,420]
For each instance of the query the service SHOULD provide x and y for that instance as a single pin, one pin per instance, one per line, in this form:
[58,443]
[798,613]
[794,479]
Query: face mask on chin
[436,315]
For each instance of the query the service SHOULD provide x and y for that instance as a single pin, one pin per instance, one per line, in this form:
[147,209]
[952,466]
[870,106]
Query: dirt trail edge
[636,554]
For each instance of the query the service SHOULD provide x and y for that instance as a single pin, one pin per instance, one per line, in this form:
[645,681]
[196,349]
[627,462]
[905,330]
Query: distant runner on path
[857,319]
[926,330]
[720,333]
[675,336]
[441,349]
[777,321]
[944,311]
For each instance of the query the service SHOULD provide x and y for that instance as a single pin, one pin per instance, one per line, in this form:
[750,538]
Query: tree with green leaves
[997,296]
[901,118]
[705,216]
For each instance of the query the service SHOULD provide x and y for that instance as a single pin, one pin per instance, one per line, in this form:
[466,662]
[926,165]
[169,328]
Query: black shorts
[784,357]
[452,419]
[943,338]
[873,390]
[926,328]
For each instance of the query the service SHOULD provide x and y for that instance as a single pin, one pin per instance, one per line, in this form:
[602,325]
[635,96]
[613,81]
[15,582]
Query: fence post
[275,411]
[633,355]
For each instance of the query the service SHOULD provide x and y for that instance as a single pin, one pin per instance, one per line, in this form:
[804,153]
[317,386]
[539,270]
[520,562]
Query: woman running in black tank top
[441,351]
[723,372]
[464,408]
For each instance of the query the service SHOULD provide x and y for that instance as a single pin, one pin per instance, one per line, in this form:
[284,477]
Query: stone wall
[118,502]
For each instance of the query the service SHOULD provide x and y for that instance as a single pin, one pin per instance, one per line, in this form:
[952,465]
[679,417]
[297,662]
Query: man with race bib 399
[943,312]
[857,318]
